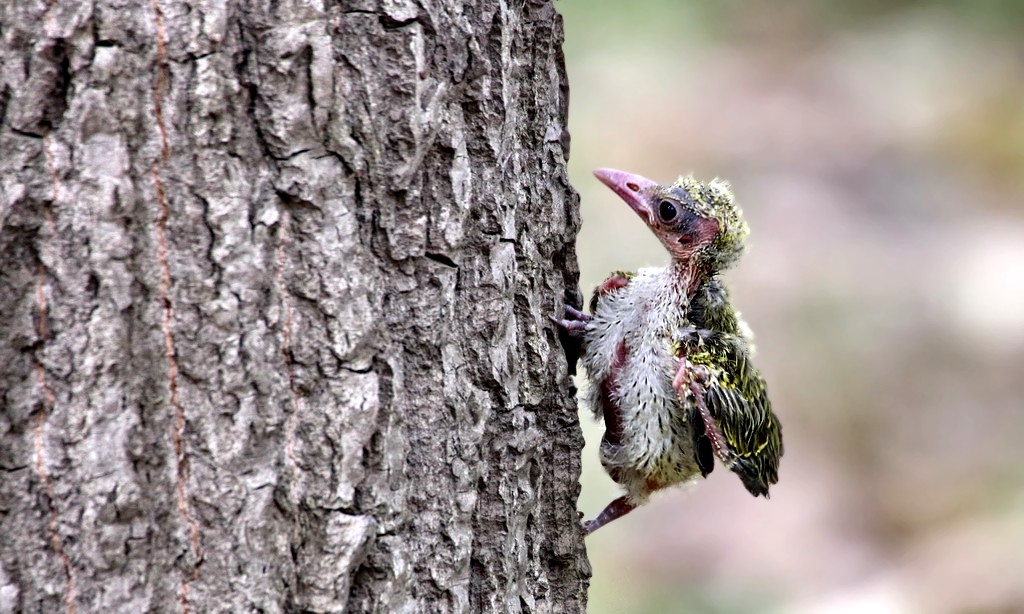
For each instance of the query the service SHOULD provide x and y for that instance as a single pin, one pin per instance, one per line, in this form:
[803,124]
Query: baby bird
[668,356]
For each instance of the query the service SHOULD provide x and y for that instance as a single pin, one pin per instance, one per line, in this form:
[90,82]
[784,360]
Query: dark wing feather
[730,410]
[751,433]
[703,446]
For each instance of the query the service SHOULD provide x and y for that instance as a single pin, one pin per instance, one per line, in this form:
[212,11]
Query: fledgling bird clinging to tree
[668,356]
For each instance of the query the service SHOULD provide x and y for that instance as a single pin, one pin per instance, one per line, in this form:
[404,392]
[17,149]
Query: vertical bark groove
[163,214]
[48,398]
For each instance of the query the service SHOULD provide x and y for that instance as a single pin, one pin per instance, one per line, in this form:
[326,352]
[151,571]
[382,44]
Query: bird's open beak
[630,188]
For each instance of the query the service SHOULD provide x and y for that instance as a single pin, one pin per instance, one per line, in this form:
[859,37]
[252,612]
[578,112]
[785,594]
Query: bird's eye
[667,211]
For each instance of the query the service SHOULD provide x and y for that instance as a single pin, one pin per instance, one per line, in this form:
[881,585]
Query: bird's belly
[648,443]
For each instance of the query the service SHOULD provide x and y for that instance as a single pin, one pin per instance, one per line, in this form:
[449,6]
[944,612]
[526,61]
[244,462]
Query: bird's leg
[616,509]
[689,382]
[689,378]
[575,325]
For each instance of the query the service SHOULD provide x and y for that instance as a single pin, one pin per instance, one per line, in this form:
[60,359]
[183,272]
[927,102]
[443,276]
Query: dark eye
[667,210]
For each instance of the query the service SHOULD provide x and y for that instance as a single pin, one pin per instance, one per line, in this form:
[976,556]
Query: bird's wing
[618,279]
[751,433]
[731,411]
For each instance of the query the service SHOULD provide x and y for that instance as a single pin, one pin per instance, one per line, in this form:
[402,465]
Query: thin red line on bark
[161,78]
[49,398]
[178,427]
[43,319]
[183,594]
[178,431]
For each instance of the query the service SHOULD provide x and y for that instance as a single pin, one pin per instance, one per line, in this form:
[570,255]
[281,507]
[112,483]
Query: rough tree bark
[274,280]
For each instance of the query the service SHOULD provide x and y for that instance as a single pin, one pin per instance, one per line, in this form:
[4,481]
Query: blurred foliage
[878,150]
[714,19]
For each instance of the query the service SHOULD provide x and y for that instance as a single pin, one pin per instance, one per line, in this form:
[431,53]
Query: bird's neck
[687,275]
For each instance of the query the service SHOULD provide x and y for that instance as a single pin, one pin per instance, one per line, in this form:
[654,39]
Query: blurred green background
[878,151]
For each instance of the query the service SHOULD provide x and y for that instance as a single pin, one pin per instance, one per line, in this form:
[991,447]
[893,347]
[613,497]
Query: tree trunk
[274,287]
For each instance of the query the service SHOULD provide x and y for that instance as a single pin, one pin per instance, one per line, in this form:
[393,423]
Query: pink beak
[630,188]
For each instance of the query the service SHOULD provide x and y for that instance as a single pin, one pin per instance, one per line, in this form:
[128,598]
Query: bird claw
[575,325]
[688,374]
[700,374]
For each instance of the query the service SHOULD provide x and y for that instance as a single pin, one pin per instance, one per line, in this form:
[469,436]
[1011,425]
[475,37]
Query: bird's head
[699,223]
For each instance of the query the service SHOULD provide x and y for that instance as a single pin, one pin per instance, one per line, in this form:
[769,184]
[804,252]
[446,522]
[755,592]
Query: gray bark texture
[274,287]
